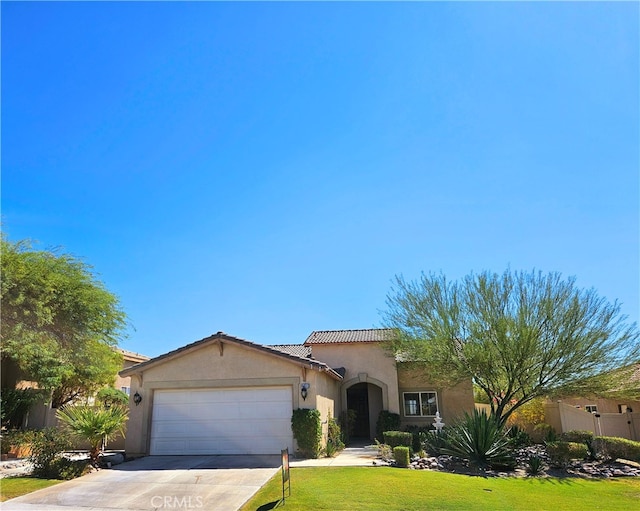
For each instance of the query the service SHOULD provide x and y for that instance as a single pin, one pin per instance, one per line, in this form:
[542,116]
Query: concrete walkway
[357,456]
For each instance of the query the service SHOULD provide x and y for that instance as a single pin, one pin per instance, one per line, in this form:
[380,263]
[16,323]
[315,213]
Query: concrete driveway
[221,483]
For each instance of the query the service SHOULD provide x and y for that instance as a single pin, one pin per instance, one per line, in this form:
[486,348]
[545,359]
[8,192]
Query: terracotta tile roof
[299,350]
[132,356]
[222,337]
[348,336]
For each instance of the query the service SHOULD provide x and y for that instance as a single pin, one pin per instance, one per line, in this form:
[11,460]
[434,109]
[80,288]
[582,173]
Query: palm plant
[481,439]
[95,424]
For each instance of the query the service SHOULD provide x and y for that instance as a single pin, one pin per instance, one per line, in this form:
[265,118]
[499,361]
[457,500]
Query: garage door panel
[222,421]
[170,412]
[268,410]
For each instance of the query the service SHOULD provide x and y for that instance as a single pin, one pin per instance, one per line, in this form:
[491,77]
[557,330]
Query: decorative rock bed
[15,467]
[576,468]
[23,467]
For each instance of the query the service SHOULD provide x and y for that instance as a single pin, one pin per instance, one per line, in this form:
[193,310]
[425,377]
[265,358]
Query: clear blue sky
[266,169]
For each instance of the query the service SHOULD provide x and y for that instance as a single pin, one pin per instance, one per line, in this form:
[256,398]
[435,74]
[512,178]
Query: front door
[358,400]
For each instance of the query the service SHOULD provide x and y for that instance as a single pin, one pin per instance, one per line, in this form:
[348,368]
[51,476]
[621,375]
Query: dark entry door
[358,400]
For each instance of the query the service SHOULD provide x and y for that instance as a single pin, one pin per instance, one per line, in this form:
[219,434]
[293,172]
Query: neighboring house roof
[133,357]
[348,336]
[221,337]
[299,350]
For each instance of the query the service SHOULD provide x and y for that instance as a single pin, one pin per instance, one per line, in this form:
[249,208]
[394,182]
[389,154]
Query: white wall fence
[564,417]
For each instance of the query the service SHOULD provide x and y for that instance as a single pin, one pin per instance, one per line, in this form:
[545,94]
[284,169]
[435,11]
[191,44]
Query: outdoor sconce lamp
[137,398]
[304,390]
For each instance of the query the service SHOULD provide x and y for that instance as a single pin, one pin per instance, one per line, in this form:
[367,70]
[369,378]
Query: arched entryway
[366,399]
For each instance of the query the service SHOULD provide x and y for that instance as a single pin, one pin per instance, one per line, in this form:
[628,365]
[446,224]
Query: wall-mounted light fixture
[137,398]
[304,390]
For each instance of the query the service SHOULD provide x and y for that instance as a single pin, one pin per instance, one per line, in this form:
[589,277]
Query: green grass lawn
[12,487]
[360,489]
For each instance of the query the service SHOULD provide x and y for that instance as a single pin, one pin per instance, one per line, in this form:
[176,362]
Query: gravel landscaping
[15,467]
[23,467]
[575,468]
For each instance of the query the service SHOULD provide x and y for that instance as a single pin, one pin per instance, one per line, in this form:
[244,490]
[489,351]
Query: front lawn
[381,488]
[12,487]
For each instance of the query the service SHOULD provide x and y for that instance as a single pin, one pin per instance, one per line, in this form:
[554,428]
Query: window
[591,408]
[420,404]
[126,390]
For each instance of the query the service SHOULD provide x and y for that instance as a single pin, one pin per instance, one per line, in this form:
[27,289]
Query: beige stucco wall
[124,381]
[326,392]
[604,405]
[236,367]
[564,417]
[364,362]
[452,401]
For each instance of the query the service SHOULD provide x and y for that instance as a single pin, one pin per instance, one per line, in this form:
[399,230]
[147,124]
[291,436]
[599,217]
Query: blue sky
[265,169]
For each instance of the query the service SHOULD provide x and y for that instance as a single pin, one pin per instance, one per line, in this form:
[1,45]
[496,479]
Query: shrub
[401,455]
[529,415]
[17,439]
[387,421]
[535,465]
[435,441]
[307,430]
[396,438]
[613,448]
[518,437]
[419,434]
[584,437]
[543,433]
[480,396]
[69,469]
[14,404]
[480,439]
[347,423]
[576,436]
[5,445]
[561,453]
[47,446]
[334,437]
[384,451]
[95,424]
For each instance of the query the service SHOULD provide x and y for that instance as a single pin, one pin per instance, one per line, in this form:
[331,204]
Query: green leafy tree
[96,424]
[59,324]
[109,396]
[518,336]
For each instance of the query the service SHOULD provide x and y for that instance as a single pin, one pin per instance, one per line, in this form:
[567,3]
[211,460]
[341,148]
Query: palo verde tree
[59,323]
[518,335]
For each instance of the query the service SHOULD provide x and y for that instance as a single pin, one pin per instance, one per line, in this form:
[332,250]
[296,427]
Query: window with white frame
[591,408]
[420,404]
[126,390]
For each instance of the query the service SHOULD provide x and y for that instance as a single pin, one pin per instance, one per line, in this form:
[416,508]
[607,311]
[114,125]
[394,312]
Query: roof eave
[220,337]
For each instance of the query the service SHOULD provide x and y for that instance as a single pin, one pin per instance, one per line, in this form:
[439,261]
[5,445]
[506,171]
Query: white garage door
[229,421]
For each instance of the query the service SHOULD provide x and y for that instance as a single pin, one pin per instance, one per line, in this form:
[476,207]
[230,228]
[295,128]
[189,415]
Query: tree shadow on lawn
[569,480]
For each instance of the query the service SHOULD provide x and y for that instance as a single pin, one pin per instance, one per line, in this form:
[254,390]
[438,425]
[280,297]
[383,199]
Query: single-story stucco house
[225,395]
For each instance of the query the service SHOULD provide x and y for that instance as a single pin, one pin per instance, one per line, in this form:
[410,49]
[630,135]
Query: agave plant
[480,439]
[535,465]
[95,424]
